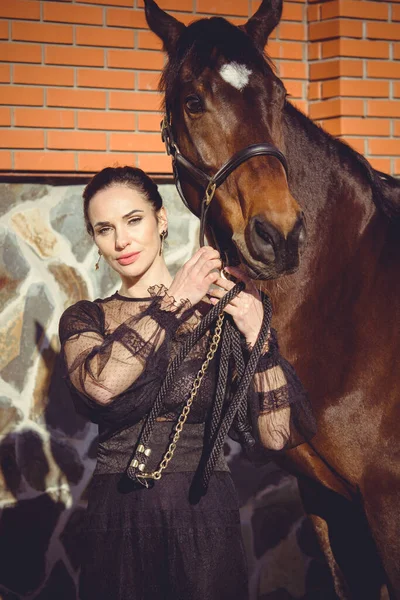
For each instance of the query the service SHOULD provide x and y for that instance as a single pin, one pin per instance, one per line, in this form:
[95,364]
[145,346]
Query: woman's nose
[121,240]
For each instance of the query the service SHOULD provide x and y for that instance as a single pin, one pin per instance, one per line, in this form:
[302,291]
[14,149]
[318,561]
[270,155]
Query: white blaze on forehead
[235,74]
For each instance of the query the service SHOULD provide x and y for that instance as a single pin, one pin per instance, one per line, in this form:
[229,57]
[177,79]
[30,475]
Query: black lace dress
[166,542]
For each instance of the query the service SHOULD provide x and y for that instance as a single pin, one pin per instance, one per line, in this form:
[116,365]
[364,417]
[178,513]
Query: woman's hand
[246,308]
[193,280]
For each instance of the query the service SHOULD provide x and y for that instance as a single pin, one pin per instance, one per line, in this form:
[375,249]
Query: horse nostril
[264,239]
[300,233]
[302,236]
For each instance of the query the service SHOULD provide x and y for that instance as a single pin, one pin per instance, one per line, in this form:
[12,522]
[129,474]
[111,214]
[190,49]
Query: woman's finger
[204,254]
[241,301]
[239,274]
[210,265]
[229,309]
[219,294]
[225,284]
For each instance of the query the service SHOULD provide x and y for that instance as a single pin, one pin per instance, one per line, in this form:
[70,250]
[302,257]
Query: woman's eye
[193,104]
[135,220]
[103,230]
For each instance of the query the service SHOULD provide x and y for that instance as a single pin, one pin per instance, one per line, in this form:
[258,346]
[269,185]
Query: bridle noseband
[210,184]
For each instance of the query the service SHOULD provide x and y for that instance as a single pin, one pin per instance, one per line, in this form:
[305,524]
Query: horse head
[222,95]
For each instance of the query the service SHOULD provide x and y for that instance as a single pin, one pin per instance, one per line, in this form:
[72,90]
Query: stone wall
[47,452]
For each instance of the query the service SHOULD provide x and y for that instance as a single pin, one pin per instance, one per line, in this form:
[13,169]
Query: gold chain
[186,409]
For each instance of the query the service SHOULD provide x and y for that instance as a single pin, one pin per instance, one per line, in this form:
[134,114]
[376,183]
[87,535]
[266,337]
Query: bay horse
[324,241]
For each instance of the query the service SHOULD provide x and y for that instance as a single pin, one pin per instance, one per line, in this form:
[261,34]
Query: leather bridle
[210,184]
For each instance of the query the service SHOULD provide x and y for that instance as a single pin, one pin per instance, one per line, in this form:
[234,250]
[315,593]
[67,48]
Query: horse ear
[264,21]
[164,25]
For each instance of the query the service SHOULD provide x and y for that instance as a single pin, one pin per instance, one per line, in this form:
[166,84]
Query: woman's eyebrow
[135,210]
[129,214]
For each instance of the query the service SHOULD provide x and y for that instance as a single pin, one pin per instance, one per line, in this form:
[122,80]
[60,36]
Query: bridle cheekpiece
[210,184]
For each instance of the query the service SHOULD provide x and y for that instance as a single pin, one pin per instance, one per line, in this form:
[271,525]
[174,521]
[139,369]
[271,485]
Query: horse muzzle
[269,251]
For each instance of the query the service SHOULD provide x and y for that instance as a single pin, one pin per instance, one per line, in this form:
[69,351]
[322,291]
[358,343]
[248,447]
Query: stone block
[10,476]
[44,372]
[10,416]
[25,533]
[59,586]
[183,229]
[13,266]
[31,226]
[105,280]
[71,537]
[10,336]
[67,219]
[67,460]
[32,459]
[60,413]
[72,285]
[12,194]
[275,513]
[47,463]
[37,314]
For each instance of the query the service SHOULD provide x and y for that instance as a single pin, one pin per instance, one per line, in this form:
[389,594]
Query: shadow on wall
[46,478]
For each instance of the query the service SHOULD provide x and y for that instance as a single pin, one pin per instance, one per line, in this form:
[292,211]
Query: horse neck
[331,185]
[326,175]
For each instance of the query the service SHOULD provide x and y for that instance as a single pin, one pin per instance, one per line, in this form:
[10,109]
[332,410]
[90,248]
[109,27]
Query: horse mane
[205,40]
[385,188]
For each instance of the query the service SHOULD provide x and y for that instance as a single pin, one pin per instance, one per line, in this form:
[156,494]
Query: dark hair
[129,176]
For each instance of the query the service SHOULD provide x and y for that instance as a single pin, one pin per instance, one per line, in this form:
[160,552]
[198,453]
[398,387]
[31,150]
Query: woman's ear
[162,220]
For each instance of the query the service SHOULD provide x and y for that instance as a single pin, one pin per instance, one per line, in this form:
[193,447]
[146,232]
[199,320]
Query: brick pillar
[354,75]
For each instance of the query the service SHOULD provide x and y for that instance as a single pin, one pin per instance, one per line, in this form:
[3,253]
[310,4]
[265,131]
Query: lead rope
[137,465]
[238,406]
[237,409]
[156,475]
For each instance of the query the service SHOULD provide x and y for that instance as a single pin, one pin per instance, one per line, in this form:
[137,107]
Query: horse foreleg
[381,497]
[321,529]
[346,542]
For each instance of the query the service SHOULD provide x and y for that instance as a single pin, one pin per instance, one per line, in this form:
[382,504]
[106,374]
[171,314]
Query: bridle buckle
[165,126]
[210,191]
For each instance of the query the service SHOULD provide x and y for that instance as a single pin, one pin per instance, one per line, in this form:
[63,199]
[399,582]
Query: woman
[164,541]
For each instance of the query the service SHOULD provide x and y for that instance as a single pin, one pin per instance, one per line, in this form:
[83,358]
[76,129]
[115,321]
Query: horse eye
[193,104]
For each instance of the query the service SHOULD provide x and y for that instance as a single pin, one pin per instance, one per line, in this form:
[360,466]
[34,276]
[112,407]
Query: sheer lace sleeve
[282,416]
[102,366]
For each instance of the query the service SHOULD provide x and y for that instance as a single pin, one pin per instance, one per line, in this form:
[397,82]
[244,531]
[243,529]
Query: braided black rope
[223,369]
[239,397]
[188,344]
[237,410]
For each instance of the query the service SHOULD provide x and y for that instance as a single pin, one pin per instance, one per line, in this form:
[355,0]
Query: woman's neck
[157,274]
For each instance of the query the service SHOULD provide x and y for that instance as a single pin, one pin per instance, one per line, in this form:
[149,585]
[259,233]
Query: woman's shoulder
[84,315]
[88,307]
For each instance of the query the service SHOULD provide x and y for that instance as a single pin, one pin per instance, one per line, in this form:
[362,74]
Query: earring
[96,266]
[162,236]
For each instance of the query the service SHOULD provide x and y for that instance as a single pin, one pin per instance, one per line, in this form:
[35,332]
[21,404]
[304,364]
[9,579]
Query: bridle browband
[210,184]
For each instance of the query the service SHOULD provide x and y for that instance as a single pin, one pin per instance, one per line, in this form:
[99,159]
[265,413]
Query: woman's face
[126,229]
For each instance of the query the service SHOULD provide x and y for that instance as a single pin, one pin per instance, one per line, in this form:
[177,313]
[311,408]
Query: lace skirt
[163,543]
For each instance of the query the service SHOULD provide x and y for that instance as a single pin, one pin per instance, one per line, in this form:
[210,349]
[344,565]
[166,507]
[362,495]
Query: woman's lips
[128,258]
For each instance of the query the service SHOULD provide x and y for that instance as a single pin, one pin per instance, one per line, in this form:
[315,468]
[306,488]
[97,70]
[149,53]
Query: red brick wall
[354,72]
[78,79]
